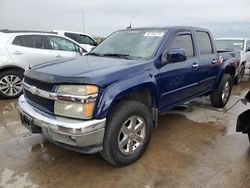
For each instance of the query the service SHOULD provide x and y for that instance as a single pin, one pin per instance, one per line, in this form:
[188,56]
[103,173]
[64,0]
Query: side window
[248,44]
[17,41]
[184,41]
[204,43]
[86,40]
[73,36]
[59,43]
[31,41]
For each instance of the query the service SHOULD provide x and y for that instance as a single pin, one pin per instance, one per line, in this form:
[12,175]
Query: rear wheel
[11,84]
[240,75]
[128,133]
[220,97]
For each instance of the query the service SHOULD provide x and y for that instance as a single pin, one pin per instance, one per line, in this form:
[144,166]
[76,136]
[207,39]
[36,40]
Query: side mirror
[95,44]
[248,49]
[247,97]
[174,56]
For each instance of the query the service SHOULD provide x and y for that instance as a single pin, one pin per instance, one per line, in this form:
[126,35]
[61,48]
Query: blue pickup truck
[109,100]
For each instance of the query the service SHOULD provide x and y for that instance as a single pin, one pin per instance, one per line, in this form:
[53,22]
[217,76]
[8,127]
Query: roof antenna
[130,26]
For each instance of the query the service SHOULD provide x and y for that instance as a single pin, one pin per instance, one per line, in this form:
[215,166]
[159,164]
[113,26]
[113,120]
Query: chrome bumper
[70,133]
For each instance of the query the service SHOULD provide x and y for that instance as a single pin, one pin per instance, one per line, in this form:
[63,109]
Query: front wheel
[128,133]
[220,97]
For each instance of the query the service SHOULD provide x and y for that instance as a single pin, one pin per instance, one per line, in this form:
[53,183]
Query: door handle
[195,65]
[214,61]
[58,56]
[17,53]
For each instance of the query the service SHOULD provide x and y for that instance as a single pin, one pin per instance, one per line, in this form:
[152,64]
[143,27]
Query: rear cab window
[30,41]
[204,43]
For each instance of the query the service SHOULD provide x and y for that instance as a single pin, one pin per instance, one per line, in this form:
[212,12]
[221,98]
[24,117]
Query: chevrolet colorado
[109,100]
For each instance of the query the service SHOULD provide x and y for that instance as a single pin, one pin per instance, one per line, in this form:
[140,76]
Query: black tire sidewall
[226,78]
[131,108]
[17,73]
[216,96]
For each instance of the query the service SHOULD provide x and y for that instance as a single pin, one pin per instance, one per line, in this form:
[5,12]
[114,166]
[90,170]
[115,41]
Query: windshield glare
[133,43]
[233,45]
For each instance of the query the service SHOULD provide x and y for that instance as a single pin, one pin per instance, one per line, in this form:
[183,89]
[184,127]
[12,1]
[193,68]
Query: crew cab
[240,45]
[109,100]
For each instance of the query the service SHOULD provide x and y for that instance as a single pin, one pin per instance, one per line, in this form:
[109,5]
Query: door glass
[73,36]
[86,40]
[184,41]
[204,43]
[31,41]
[59,43]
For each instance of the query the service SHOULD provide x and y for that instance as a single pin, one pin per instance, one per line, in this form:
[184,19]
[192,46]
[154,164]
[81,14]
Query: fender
[10,67]
[109,96]
[228,65]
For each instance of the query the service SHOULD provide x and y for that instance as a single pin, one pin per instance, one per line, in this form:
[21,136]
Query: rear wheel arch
[231,70]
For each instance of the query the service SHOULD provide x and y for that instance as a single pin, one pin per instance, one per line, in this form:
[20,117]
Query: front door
[179,81]
[62,47]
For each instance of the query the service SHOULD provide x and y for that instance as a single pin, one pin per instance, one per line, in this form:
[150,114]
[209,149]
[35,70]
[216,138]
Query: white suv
[20,49]
[86,41]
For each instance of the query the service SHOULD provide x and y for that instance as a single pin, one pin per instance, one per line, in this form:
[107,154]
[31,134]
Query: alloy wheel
[132,135]
[10,85]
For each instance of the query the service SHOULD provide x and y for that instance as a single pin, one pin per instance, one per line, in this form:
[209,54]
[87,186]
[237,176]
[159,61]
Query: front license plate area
[28,122]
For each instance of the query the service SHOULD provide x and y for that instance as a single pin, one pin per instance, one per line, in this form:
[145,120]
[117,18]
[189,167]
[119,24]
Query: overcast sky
[224,18]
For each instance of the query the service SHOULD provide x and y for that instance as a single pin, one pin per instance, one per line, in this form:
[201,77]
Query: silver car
[20,49]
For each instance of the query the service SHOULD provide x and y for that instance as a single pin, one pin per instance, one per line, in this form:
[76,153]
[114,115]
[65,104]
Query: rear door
[62,47]
[29,50]
[179,81]
[208,58]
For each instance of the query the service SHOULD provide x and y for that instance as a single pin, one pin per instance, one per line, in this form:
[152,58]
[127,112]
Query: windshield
[232,45]
[131,43]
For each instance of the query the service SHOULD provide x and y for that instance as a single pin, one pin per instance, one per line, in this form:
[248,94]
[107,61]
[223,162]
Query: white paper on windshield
[154,34]
[237,44]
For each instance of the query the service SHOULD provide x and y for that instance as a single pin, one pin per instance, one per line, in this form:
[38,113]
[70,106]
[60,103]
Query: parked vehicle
[20,49]
[86,41]
[243,122]
[108,101]
[237,44]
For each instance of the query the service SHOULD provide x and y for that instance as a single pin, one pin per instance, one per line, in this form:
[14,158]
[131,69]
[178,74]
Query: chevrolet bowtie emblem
[33,90]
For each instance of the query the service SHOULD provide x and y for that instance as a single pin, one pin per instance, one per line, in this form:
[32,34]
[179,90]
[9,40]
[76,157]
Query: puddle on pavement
[176,145]
[187,149]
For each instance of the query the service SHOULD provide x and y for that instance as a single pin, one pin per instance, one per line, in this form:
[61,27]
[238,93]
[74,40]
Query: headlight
[76,101]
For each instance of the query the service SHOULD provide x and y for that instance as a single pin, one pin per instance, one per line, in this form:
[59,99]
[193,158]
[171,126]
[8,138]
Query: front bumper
[78,135]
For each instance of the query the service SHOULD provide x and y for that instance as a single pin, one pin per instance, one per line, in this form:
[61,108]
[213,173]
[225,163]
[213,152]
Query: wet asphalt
[195,145]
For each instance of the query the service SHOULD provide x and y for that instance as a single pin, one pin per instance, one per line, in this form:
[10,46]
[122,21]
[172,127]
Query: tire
[240,75]
[120,123]
[220,97]
[11,84]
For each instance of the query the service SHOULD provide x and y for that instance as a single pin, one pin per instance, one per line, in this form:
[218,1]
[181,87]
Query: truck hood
[100,71]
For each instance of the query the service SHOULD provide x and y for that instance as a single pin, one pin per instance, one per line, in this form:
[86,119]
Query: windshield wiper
[95,54]
[125,56]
